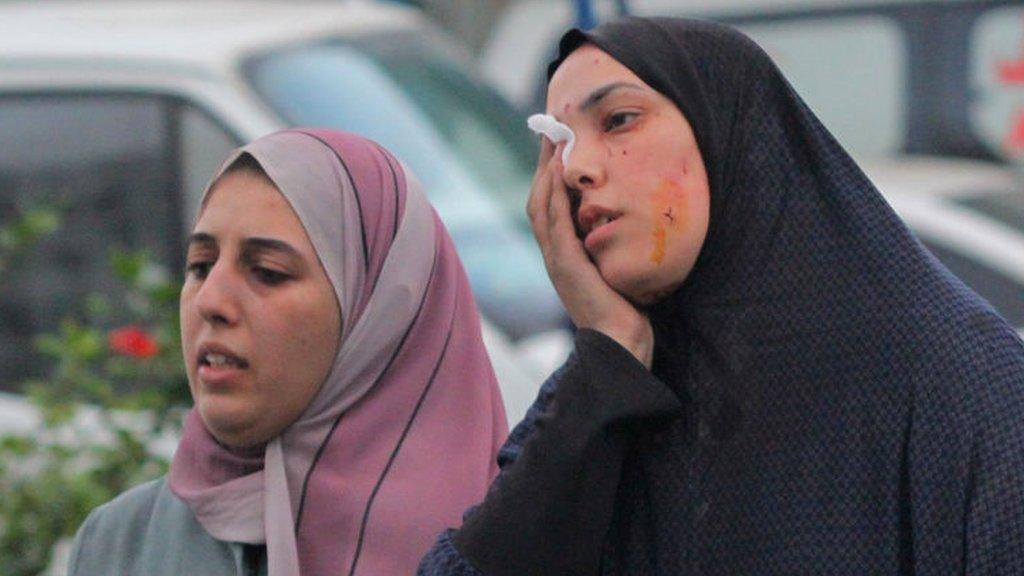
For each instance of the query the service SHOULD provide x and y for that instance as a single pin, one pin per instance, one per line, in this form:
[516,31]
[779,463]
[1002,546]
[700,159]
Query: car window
[452,139]
[398,90]
[1003,292]
[483,129]
[110,164]
[204,145]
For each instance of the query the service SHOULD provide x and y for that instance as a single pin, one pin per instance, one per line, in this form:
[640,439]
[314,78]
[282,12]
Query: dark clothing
[558,500]
[848,406]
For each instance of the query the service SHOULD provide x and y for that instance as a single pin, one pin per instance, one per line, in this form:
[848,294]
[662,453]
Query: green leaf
[85,343]
[127,265]
[40,222]
[49,345]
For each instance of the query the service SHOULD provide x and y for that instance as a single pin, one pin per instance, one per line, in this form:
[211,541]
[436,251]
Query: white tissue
[554,130]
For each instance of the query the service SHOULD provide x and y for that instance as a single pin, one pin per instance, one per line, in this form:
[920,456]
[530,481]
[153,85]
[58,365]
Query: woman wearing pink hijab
[345,409]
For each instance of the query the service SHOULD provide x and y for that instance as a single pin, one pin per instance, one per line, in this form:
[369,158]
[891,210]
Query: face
[260,323]
[635,172]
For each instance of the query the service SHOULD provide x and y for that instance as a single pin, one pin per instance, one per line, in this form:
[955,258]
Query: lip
[589,214]
[217,376]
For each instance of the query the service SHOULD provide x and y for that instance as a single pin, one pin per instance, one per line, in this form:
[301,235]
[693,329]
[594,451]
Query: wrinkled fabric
[402,435]
[849,406]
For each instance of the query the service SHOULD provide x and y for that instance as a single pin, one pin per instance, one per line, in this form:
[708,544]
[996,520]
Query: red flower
[133,341]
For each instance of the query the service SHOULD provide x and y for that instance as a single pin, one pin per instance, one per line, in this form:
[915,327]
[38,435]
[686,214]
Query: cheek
[187,317]
[188,323]
[303,340]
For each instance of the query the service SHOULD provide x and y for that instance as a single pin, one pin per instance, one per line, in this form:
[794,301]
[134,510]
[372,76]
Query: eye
[617,120]
[268,276]
[198,269]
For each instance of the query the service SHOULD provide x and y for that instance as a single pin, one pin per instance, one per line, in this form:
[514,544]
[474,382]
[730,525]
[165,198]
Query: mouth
[601,221]
[589,218]
[220,357]
[600,232]
[589,227]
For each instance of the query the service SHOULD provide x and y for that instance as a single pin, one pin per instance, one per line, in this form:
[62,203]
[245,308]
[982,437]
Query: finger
[537,207]
[536,203]
[559,205]
[547,150]
[560,221]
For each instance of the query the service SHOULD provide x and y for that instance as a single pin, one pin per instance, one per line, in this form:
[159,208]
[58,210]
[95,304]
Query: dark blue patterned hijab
[842,374]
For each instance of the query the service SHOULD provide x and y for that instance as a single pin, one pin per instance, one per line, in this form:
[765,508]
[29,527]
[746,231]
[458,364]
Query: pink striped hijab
[403,434]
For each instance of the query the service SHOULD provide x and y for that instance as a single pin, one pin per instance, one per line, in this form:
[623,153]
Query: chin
[633,287]
[642,287]
[228,424]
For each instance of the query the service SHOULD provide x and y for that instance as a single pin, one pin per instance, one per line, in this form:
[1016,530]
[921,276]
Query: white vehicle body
[193,52]
[934,197]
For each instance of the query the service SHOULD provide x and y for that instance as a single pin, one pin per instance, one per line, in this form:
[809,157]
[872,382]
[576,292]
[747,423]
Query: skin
[635,160]
[255,289]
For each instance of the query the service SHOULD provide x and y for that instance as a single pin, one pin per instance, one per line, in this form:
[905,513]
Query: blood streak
[666,203]
[660,241]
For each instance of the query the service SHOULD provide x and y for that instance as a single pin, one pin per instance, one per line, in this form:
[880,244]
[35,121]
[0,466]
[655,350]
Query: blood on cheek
[667,210]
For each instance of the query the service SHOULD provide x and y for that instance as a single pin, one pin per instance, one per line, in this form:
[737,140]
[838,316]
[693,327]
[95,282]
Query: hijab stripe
[359,203]
[316,460]
[382,376]
[394,454]
[397,193]
[394,181]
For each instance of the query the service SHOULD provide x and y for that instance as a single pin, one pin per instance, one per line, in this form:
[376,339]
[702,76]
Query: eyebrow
[597,95]
[270,244]
[255,244]
[201,238]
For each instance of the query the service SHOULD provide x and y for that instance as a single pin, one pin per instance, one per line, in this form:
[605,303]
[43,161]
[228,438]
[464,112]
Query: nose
[585,169]
[216,300]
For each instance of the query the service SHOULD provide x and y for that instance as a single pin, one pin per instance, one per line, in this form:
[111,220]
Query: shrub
[110,409]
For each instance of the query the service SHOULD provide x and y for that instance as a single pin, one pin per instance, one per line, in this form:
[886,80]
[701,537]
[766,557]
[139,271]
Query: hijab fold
[403,433]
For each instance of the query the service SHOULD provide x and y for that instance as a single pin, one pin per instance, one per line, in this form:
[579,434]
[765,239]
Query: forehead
[586,69]
[246,203]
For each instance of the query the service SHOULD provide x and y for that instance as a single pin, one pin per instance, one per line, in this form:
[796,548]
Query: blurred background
[113,115]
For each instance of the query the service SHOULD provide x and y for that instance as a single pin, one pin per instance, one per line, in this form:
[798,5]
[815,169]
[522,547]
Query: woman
[345,409]
[813,392]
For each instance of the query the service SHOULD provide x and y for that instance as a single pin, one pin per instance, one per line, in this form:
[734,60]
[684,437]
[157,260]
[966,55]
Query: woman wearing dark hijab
[813,393]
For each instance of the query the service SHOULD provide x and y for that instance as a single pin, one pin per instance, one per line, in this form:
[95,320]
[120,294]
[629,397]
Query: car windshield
[470,149]
[1004,207]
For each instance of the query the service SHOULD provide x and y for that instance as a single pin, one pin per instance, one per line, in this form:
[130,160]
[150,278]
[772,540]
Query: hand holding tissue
[554,130]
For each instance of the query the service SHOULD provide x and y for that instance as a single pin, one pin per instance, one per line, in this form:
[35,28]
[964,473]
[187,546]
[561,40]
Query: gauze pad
[554,130]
